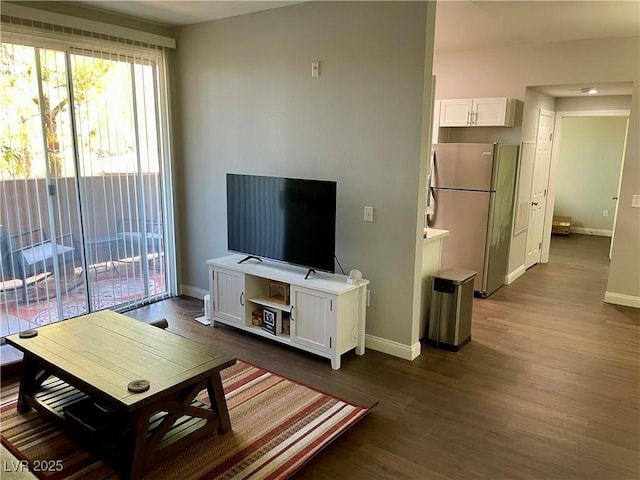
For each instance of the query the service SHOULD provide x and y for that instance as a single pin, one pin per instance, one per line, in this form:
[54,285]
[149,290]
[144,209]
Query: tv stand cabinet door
[228,296]
[313,320]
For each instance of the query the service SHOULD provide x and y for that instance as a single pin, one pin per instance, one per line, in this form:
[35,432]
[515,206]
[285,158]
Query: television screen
[284,219]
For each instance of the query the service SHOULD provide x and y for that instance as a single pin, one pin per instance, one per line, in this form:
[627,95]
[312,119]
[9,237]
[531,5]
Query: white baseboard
[591,231]
[406,352]
[193,291]
[620,299]
[513,276]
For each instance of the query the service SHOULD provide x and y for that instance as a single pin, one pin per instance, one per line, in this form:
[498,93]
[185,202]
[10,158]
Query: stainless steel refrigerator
[471,194]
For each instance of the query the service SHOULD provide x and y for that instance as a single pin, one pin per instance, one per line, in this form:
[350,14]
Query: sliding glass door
[82,205]
[120,177]
[36,175]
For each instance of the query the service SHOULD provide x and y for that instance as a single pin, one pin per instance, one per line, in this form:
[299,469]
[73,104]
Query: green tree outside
[21,132]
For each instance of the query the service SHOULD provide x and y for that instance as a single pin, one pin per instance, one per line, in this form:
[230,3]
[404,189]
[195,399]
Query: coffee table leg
[139,429]
[218,402]
[27,382]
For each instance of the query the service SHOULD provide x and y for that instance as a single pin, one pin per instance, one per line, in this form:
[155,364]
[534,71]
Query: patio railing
[122,225]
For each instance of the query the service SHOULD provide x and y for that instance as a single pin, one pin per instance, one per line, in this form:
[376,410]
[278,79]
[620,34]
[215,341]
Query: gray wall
[248,104]
[508,71]
[588,172]
[604,102]
[534,101]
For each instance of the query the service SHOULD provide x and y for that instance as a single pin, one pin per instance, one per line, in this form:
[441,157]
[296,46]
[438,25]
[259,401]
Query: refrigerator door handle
[430,197]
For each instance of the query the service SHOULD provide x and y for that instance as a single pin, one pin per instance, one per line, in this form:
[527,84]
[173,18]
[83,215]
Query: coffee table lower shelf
[107,431]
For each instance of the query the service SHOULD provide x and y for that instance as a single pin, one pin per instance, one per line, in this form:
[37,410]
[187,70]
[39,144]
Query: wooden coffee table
[77,372]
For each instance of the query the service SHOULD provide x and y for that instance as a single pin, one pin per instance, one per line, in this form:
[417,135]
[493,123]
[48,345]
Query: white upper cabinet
[456,113]
[478,112]
[489,112]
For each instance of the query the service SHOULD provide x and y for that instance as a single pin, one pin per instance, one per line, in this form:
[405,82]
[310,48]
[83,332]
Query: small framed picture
[269,321]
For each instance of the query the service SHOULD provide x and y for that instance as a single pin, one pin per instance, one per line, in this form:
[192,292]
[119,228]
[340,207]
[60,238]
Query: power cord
[338,262]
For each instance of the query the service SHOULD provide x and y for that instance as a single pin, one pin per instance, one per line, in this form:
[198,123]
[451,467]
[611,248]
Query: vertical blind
[83,174]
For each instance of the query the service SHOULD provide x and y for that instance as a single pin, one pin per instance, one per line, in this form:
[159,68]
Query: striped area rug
[278,425]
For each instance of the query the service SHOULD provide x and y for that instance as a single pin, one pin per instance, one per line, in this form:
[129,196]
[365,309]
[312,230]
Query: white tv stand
[326,315]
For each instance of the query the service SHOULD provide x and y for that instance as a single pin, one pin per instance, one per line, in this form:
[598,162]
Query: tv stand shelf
[326,314]
[265,302]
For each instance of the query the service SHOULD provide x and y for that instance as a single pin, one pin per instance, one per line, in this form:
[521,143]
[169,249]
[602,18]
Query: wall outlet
[605,213]
[635,201]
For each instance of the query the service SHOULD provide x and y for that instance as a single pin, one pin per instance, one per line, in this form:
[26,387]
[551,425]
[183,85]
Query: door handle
[534,203]
[614,198]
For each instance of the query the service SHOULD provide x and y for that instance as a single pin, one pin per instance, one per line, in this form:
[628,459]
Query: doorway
[586,166]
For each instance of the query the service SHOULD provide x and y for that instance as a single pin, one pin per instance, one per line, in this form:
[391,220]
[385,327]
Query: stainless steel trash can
[451,308]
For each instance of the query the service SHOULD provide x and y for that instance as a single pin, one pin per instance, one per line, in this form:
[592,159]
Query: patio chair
[131,238]
[22,259]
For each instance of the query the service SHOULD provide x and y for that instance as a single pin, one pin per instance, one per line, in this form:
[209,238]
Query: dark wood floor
[547,389]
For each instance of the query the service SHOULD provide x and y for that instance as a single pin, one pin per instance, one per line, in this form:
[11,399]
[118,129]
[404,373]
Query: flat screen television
[285,219]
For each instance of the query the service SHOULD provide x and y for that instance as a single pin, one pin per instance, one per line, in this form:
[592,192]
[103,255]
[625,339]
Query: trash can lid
[456,275]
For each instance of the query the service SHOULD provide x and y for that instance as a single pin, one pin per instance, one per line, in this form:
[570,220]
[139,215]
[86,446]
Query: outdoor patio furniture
[100,251]
[26,255]
[132,236]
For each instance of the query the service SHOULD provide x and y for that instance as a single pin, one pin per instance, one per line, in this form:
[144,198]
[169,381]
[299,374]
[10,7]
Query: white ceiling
[177,13]
[476,25]
[461,25]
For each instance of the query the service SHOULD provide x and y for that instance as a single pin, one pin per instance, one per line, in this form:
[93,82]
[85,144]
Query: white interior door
[617,196]
[539,187]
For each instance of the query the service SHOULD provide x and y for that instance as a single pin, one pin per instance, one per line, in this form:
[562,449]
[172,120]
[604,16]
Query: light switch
[368,214]
[635,201]
[315,69]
